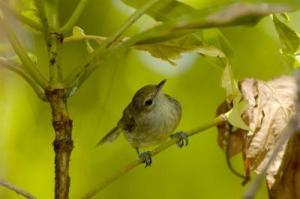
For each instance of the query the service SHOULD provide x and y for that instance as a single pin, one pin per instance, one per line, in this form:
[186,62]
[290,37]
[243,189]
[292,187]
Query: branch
[28,64]
[74,17]
[54,39]
[18,190]
[25,20]
[133,18]
[17,69]
[52,7]
[63,143]
[288,132]
[156,151]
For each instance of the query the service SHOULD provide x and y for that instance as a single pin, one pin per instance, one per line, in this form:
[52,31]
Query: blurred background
[196,171]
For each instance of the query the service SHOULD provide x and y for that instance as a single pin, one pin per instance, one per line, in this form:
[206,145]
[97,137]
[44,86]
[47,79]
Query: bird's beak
[160,85]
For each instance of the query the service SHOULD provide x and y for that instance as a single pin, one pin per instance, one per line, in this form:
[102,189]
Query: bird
[148,120]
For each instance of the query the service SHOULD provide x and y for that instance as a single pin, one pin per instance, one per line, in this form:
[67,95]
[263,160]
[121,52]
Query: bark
[63,143]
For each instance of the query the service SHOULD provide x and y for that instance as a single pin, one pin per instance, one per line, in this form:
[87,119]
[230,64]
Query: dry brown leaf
[270,107]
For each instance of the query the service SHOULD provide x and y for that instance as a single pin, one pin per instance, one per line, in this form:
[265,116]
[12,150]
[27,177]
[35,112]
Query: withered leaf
[271,105]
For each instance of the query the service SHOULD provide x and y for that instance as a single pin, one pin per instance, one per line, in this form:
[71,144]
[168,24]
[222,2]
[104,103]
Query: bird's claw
[145,157]
[182,138]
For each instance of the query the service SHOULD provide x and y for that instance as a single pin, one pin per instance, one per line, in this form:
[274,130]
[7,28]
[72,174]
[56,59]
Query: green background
[197,171]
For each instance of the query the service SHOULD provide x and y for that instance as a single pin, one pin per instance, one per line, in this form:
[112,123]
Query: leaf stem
[89,37]
[28,64]
[17,69]
[156,151]
[74,17]
[16,189]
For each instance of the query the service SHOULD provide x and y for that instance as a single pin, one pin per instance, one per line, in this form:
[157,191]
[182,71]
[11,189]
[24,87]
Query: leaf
[290,40]
[226,132]
[28,9]
[232,15]
[230,85]
[78,33]
[235,116]
[164,10]
[173,49]
[271,106]
[234,97]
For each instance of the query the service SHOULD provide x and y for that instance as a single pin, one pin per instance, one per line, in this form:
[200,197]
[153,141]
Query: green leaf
[27,8]
[163,11]
[230,85]
[232,15]
[235,116]
[290,40]
[78,33]
[173,49]
[234,97]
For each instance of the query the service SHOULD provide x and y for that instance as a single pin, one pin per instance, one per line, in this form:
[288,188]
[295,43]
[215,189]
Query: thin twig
[85,37]
[288,132]
[74,17]
[18,69]
[16,189]
[25,20]
[156,151]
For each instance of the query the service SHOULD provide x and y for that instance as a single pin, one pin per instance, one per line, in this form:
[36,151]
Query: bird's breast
[156,125]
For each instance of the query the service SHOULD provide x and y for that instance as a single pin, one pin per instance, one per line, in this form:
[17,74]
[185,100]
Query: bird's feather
[110,136]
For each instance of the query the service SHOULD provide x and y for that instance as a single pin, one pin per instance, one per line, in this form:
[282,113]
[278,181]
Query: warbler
[149,119]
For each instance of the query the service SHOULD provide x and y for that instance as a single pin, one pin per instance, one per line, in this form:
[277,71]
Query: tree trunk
[63,143]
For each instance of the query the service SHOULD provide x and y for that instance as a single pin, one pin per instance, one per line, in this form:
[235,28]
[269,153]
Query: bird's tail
[110,136]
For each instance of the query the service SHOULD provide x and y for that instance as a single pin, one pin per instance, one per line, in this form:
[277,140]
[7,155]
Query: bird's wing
[110,136]
[126,123]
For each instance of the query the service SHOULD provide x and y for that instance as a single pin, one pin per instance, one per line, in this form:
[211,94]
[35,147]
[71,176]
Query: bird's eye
[148,102]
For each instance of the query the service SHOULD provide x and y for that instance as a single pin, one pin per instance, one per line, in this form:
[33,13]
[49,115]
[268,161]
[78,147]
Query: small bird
[149,119]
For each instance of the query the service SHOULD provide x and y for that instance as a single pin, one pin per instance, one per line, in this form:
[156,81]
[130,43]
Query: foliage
[179,29]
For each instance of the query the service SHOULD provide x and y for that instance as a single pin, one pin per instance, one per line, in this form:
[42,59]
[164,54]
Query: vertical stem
[63,143]
[55,70]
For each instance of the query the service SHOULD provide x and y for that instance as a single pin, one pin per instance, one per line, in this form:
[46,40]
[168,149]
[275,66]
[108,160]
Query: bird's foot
[182,138]
[145,157]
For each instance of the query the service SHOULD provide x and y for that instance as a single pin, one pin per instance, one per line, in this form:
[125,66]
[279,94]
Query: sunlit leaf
[235,116]
[234,97]
[164,10]
[173,49]
[230,85]
[290,40]
[78,33]
[27,8]
[232,15]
